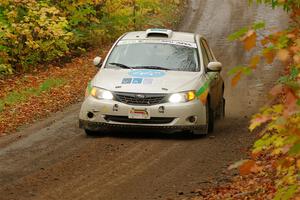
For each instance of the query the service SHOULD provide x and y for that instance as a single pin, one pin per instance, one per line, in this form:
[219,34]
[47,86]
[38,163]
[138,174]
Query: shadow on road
[147,134]
[220,127]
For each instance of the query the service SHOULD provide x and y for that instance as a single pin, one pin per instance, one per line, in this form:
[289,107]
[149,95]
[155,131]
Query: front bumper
[96,126]
[174,117]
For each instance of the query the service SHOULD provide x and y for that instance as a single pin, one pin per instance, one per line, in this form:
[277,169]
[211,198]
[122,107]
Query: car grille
[140,99]
[153,120]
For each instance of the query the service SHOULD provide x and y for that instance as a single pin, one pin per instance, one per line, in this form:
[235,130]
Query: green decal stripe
[202,89]
[89,87]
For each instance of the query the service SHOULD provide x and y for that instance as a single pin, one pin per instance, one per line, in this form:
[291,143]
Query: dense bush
[35,31]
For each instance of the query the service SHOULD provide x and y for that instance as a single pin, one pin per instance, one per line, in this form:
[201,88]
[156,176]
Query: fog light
[161,109]
[192,119]
[116,108]
[90,115]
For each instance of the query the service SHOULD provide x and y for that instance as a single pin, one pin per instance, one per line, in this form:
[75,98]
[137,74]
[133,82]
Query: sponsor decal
[126,80]
[148,81]
[137,81]
[144,81]
[145,73]
[174,42]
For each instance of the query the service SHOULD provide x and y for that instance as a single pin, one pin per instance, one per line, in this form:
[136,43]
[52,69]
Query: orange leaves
[249,40]
[51,99]
[276,90]
[246,167]
[269,55]
[254,62]
[296,59]
[238,71]
[236,79]
[290,103]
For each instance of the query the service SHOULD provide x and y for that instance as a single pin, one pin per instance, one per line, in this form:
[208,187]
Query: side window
[204,55]
[209,53]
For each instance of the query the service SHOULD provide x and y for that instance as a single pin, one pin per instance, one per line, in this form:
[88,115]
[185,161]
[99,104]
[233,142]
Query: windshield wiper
[152,67]
[121,65]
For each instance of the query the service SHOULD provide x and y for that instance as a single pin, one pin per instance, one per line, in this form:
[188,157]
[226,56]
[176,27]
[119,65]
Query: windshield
[154,56]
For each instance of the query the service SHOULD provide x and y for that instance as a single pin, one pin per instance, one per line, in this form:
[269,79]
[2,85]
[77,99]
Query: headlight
[182,97]
[101,94]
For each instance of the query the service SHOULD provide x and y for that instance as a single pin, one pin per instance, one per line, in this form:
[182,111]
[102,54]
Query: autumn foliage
[280,119]
[35,33]
[40,31]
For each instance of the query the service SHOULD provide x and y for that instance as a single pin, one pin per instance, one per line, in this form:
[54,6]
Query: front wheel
[210,118]
[90,133]
[221,109]
[209,122]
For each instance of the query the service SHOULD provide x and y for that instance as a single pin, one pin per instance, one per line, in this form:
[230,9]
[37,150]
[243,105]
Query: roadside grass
[16,97]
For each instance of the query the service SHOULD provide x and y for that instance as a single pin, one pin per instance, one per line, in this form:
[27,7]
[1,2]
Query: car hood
[146,81]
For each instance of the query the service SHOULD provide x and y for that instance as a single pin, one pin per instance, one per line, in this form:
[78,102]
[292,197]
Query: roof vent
[159,33]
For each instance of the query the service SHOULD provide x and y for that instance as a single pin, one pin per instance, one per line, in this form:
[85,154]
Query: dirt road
[53,159]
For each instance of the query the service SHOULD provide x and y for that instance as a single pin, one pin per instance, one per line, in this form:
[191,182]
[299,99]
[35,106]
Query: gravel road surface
[53,159]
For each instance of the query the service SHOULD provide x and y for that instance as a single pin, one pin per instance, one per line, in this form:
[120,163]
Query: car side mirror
[214,66]
[97,61]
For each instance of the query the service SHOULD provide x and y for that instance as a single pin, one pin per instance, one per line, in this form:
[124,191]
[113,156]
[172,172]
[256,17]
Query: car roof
[160,34]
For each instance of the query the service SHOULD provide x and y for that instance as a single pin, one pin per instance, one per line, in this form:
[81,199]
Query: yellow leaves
[268,114]
[32,44]
[283,55]
[236,79]
[249,40]
[298,163]
[257,121]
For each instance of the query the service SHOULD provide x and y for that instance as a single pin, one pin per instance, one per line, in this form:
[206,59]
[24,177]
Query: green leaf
[247,70]
[286,193]
[295,150]
[238,34]
[259,25]
[235,70]
[3,48]
[294,73]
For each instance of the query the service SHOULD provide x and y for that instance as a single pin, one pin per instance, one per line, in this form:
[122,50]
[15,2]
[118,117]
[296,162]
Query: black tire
[90,133]
[220,114]
[210,117]
[223,108]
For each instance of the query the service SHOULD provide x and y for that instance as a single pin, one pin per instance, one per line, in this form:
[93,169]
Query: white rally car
[155,79]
